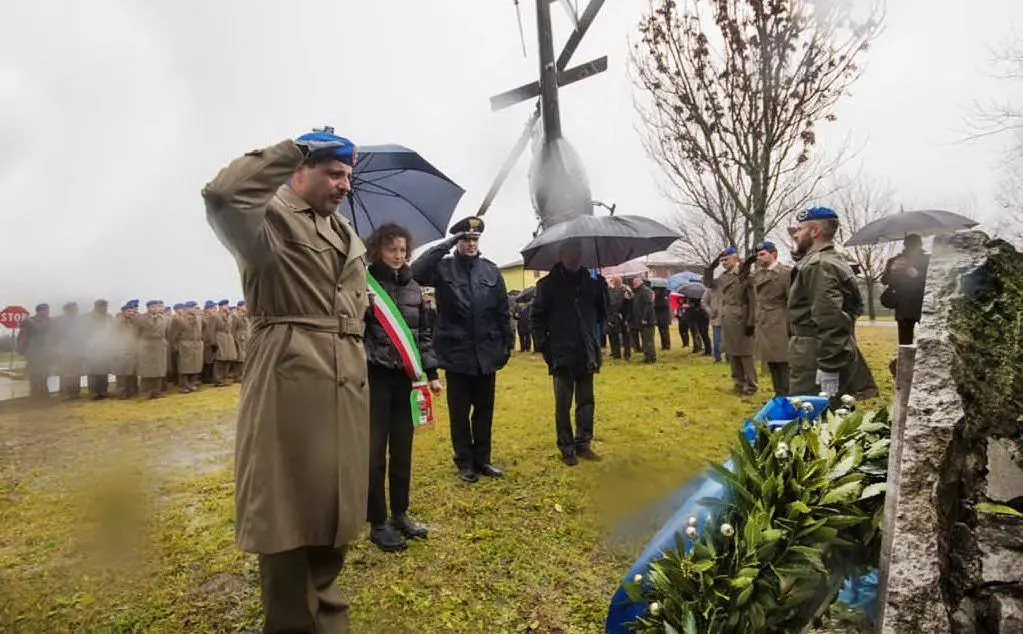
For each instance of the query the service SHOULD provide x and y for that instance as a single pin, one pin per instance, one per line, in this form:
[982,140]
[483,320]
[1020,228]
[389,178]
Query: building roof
[512,264]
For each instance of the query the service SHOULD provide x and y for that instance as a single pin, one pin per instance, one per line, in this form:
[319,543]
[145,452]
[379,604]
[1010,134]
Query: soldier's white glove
[828,382]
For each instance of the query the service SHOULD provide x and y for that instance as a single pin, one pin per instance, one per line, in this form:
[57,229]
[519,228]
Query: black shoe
[386,538]
[404,524]
[570,459]
[468,475]
[589,454]
[491,471]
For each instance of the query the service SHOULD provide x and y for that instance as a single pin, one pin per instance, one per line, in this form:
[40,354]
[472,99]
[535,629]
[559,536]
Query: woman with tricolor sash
[399,352]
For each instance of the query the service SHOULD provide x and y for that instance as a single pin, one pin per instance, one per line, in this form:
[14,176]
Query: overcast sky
[114,113]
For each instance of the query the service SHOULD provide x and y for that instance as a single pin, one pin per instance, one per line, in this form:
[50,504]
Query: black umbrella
[692,289]
[897,226]
[391,183]
[605,241]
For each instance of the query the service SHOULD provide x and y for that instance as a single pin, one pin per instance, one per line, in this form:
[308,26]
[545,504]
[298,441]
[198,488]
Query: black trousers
[127,385]
[779,377]
[471,409]
[646,340]
[299,591]
[906,327]
[99,385]
[569,386]
[525,340]
[699,328]
[390,432]
[684,330]
[664,328]
[616,336]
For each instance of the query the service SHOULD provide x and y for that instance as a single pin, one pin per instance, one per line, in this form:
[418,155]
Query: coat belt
[341,325]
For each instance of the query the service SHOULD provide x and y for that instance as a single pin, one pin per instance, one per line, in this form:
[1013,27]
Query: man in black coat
[643,318]
[567,311]
[662,310]
[472,339]
[525,337]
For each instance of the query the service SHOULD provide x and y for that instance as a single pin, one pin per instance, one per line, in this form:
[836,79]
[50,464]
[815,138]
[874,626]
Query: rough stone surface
[1004,477]
[950,568]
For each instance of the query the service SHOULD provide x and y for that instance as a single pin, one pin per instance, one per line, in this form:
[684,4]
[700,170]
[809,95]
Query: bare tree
[731,92]
[863,200]
[1006,119]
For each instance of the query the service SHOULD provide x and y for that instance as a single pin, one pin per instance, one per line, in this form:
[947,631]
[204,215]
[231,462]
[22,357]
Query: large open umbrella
[605,241]
[897,226]
[391,183]
[684,277]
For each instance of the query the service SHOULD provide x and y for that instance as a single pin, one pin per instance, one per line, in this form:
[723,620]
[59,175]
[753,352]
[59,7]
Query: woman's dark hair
[385,235]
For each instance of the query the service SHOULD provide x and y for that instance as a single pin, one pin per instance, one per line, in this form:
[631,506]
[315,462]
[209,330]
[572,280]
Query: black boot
[468,474]
[404,525]
[386,538]
[569,459]
[588,454]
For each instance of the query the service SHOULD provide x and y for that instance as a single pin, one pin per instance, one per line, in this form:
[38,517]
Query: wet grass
[117,516]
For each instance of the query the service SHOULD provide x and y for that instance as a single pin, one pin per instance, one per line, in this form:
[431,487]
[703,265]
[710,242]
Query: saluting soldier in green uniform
[770,283]
[824,302]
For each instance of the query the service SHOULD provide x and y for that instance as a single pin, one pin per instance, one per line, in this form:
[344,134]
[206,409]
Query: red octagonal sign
[12,316]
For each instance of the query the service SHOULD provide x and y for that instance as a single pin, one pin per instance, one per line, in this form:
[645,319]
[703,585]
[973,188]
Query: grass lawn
[117,516]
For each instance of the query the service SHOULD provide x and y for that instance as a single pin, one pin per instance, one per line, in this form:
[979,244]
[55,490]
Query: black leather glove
[750,259]
[750,330]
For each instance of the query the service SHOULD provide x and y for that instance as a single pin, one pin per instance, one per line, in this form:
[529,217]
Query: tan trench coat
[771,293]
[188,338]
[69,346]
[152,333]
[223,337]
[302,448]
[100,332]
[124,361]
[240,330]
[736,310]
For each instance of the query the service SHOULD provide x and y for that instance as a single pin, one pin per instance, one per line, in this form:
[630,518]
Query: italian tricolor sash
[390,318]
[387,313]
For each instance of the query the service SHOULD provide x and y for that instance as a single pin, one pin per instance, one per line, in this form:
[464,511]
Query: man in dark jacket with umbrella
[568,308]
[905,275]
[643,319]
[472,339]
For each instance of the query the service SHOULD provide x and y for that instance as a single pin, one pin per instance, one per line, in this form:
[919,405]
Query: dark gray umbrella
[692,289]
[605,241]
[897,226]
[391,183]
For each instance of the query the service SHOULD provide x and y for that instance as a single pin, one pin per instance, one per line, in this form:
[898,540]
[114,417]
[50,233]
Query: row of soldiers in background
[146,352]
[798,320]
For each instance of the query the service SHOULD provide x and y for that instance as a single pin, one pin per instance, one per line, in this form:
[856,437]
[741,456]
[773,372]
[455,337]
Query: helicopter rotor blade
[585,21]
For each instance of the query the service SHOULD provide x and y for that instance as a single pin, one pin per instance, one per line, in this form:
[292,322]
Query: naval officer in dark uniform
[472,339]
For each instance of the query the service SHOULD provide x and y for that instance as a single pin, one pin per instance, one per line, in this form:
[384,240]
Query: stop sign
[12,316]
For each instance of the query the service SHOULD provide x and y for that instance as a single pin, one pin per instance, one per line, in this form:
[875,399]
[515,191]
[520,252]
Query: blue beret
[345,153]
[729,251]
[816,213]
[191,304]
[40,307]
[152,302]
[241,302]
[766,245]
[178,306]
[134,301]
[209,303]
[223,302]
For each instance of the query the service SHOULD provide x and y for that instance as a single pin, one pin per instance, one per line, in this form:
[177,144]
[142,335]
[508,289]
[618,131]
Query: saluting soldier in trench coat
[240,330]
[99,340]
[125,351]
[225,353]
[302,448]
[152,333]
[188,339]
[208,340]
[738,319]
[770,282]
[824,302]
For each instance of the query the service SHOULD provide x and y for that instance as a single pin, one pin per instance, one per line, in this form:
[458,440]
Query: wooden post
[903,385]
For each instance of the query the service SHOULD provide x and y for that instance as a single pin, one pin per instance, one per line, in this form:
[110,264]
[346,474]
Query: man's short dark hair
[317,157]
[829,227]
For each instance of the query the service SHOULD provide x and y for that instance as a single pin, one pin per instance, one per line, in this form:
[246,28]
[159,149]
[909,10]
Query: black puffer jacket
[566,311]
[473,332]
[408,297]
